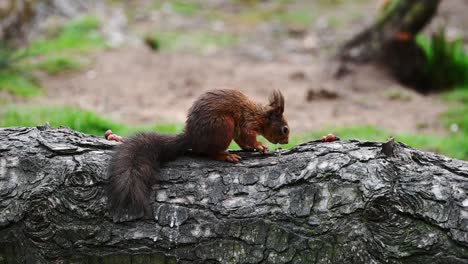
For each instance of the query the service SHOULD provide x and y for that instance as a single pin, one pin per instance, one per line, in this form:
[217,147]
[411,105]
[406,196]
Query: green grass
[185,7]
[9,59]
[193,41]
[46,54]
[55,65]
[13,78]
[80,120]
[19,84]
[358,132]
[182,7]
[454,145]
[79,35]
[457,115]
[252,16]
[57,54]
[278,13]
[296,17]
[457,95]
[77,119]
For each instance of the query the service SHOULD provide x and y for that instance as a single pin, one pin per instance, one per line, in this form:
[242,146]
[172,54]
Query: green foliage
[19,84]
[9,60]
[196,41]
[55,65]
[253,16]
[185,7]
[13,78]
[16,66]
[278,13]
[153,42]
[245,2]
[80,34]
[457,95]
[77,119]
[389,8]
[447,62]
[83,121]
[296,17]
[252,3]
[454,145]
[456,118]
[165,128]
[359,132]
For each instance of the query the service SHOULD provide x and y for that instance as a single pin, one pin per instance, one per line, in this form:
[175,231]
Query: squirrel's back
[222,101]
[216,116]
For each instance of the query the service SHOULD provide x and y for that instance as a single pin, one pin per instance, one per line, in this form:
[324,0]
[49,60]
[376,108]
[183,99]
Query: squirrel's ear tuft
[277,102]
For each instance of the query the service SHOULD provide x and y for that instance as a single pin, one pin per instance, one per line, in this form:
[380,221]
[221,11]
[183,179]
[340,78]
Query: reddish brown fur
[214,120]
[219,116]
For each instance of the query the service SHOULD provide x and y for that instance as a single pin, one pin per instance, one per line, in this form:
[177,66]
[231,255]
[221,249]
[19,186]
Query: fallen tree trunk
[340,202]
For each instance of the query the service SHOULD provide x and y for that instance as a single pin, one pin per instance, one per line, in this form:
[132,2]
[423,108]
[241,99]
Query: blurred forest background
[137,65]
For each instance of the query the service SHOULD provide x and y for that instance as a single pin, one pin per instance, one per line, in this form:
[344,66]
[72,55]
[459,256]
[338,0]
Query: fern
[447,62]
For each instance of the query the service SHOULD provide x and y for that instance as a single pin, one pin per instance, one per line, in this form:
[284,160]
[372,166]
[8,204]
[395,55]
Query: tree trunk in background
[398,20]
[391,42]
[14,15]
[22,19]
[340,202]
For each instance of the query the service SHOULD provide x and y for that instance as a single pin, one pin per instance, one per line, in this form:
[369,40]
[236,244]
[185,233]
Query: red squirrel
[214,120]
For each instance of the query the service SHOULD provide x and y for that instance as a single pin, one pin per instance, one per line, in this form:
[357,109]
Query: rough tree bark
[340,202]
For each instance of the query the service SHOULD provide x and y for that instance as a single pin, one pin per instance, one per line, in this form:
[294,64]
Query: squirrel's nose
[285,130]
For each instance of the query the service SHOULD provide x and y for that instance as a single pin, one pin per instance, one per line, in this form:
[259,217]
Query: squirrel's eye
[285,130]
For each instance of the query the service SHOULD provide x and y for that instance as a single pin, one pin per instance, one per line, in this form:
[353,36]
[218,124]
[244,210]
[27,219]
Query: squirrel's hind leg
[213,138]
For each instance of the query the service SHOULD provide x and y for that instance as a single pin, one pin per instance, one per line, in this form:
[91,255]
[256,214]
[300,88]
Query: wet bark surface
[340,202]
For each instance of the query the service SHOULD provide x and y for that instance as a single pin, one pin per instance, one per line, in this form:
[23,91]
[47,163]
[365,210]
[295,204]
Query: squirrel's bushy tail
[132,169]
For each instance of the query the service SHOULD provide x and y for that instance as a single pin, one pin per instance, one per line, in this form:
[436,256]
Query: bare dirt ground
[136,85]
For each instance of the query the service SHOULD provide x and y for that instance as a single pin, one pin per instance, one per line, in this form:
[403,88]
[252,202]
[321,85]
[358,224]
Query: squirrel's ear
[277,102]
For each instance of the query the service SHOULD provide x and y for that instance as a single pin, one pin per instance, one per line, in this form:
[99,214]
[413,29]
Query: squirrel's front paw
[261,148]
